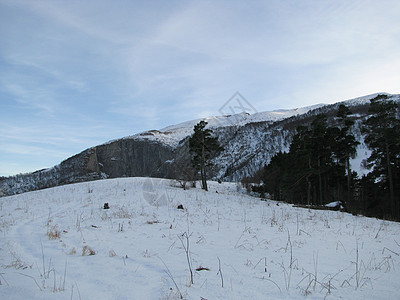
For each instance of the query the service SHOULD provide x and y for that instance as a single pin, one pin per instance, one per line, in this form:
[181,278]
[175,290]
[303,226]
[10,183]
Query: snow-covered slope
[60,243]
[173,134]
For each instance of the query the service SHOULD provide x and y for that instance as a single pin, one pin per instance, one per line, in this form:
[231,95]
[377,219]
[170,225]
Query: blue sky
[74,74]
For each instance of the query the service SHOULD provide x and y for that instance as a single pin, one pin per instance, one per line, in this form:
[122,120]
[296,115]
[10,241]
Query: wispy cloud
[124,66]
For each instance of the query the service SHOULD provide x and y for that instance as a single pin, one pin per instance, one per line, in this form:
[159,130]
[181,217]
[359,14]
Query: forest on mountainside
[316,169]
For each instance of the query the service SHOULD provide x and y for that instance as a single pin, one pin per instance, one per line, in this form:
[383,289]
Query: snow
[266,249]
[357,162]
[366,99]
[173,134]
[334,204]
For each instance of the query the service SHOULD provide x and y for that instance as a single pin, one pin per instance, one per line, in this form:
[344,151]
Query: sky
[75,74]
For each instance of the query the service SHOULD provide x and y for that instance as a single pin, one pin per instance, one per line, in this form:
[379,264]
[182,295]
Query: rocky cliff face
[80,167]
[131,158]
[121,158]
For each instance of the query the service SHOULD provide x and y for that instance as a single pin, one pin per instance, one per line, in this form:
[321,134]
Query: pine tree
[345,145]
[202,147]
[382,131]
[301,158]
[273,178]
[320,151]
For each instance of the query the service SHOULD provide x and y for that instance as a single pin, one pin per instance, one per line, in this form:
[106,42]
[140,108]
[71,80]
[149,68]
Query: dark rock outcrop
[131,158]
[121,158]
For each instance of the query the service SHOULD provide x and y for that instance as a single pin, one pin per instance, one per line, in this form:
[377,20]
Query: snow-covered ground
[243,248]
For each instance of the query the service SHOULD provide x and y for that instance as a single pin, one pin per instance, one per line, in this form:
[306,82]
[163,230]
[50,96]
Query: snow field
[60,243]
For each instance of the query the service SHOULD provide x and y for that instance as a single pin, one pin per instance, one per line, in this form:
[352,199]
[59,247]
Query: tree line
[316,169]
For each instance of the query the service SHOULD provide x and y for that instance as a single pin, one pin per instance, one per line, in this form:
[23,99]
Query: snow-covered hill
[61,243]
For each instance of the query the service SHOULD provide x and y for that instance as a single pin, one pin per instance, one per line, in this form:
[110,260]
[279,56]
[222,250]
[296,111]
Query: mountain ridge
[238,119]
[250,141]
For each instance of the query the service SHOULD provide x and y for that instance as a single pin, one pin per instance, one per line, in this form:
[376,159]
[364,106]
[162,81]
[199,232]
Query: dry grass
[88,251]
[54,233]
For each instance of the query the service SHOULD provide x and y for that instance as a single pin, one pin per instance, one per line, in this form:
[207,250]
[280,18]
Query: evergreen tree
[300,156]
[202,147]
[321,154]
[273,176]
[345,145]
[382,131]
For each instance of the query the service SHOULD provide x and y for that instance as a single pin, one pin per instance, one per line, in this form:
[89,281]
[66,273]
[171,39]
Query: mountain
[249,141]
